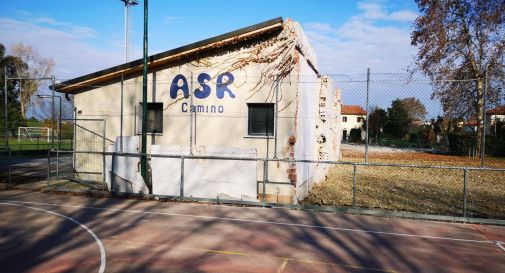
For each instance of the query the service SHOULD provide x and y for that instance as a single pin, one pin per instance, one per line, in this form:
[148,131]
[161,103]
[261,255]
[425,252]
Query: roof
[500,110]
[352,110]
[471,123]
[78,84]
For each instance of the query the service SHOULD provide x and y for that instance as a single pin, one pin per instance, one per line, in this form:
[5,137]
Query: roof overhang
[79,84]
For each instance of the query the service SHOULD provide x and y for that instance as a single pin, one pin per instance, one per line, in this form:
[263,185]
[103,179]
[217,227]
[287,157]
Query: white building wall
[253,83]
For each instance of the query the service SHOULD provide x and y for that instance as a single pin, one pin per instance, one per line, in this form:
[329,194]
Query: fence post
[367,113]
[6,112]
[465,190]
[483,137]
[182,178]
[276,115]
[10,168]
[57,163]
[74,141]
[111,173]
[265,180]
[353,185]
[49,169]
[191,93]
[103,150]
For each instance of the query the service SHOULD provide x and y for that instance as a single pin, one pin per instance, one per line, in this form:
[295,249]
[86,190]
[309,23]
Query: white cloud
[170,19]
[64,42]
[375,11]
[403,15]
[361,42]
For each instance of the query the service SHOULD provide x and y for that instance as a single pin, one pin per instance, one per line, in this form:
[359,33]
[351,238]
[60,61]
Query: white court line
[500,245]
[100,245]
[265,222]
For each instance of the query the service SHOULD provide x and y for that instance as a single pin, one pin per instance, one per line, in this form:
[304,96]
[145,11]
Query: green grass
[40,145]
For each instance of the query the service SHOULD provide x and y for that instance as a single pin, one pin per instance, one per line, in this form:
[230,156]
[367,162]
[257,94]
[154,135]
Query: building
[255,92]
[353,117]
[496,114]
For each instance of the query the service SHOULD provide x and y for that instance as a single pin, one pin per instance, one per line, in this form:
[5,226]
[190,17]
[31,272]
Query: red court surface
[59,233]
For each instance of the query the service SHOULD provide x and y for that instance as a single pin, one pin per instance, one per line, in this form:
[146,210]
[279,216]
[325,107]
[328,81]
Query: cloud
[166,20]
[375,39]
[77,31]
[375,11]
[362,42]
[66,43]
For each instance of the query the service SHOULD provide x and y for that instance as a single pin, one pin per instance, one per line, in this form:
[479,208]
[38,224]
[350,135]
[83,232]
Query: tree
[437,125]
[459,43]
[33,66]
[376,121]
[10,63]
[398,121]
[415,108]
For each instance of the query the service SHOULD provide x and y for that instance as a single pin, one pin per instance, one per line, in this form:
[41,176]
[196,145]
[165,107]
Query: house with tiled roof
[353,117]
[496,114]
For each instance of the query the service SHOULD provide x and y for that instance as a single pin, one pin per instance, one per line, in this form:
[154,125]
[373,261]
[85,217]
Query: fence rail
[462,198]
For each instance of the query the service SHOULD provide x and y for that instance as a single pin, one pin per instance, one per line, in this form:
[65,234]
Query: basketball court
[42,232]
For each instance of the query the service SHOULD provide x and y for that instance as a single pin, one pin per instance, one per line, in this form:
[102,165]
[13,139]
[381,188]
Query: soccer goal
[32,133]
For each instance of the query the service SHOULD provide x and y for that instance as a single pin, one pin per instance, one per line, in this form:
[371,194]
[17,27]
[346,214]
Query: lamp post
[127,4]
[59,120]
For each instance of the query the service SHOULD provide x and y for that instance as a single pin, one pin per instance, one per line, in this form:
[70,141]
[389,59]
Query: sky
[85,36]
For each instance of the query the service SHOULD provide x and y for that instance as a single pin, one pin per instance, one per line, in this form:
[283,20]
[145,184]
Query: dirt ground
[423,190]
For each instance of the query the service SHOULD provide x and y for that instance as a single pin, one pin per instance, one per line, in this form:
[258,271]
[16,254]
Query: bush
[495,145]
[355,135]
[460,144]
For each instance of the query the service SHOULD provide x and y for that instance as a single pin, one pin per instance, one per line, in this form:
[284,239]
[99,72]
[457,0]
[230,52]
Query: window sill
[259,137]
[151,134]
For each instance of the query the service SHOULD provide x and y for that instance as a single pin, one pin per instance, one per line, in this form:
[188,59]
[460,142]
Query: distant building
[353,117]
[496,114]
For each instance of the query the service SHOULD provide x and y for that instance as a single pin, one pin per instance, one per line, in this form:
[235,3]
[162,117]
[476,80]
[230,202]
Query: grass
[421,190]
[40,145]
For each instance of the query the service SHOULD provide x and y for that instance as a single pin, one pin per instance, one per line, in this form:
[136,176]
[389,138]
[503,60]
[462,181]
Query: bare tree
[459,43]
[34,67]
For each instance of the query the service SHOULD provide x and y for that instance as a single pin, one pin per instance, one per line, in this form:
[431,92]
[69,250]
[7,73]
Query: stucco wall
[253,69]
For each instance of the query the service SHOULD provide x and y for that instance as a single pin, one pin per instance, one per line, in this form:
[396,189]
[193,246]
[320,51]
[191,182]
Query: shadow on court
[151,236]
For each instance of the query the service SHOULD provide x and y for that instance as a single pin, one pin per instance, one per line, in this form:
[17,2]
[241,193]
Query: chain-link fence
[370,141]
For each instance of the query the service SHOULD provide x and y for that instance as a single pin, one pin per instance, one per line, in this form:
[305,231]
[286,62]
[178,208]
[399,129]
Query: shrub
[495,145]
[460,144]
[355,135]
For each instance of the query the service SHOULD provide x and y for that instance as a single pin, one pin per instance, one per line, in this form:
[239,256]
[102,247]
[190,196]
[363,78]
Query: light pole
[127,4]
[59,120]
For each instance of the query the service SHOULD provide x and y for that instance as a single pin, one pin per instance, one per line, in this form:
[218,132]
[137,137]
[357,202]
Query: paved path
[61,233]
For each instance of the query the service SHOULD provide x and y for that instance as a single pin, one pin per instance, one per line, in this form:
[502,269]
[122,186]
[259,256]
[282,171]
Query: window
[344,119]
[360,119]
[261,119]
[154,118]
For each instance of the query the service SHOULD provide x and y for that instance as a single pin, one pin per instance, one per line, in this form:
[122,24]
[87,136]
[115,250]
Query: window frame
[266,134]
[157,107]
